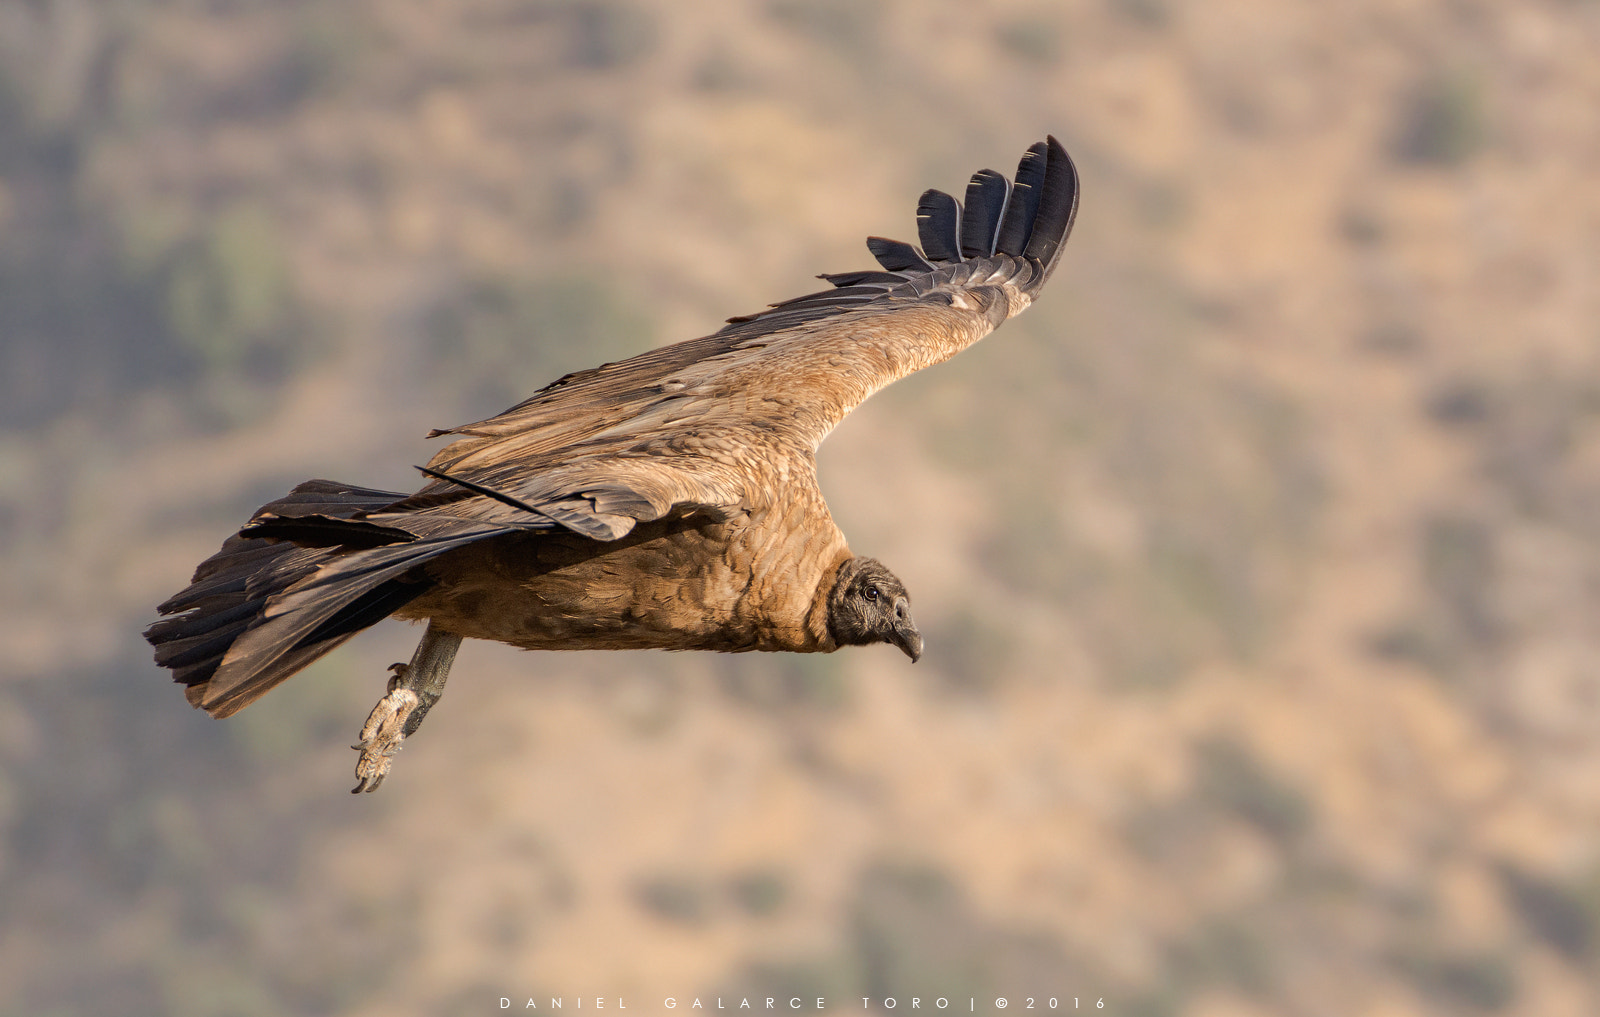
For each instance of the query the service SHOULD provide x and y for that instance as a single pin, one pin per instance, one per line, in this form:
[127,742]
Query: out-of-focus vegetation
[501,340]
[1259,563]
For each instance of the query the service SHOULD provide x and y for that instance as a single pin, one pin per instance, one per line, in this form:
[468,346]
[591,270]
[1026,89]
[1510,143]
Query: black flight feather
[325,531]
[897,255]
[1018,222]
[1058,208]
[838,296]
[369,609]
[986,205]
[865,277]
[939,226]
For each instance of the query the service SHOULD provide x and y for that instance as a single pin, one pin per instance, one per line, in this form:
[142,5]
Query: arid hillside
[1259,562]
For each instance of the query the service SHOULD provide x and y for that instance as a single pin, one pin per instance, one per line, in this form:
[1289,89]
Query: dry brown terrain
[1259,563]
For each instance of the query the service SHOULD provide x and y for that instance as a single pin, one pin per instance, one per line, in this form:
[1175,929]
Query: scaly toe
[381,736]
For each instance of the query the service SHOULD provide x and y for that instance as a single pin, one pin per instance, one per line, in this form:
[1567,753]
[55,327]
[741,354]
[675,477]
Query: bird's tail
[229,623]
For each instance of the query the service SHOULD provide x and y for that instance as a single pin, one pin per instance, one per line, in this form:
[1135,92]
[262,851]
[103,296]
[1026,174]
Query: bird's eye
[872,593]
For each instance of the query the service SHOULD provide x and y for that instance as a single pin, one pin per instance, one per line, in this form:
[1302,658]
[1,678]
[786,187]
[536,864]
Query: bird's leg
[413,690]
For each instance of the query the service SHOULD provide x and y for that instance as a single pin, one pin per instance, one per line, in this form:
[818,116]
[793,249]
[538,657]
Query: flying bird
[666,501]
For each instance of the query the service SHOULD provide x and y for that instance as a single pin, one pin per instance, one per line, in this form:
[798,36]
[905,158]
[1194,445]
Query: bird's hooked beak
[905,634]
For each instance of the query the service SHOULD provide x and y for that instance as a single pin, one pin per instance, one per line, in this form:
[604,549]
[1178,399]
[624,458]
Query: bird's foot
[383,732]
[413,691]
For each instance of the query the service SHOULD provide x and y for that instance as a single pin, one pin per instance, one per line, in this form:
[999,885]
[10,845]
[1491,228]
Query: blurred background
[1259,563]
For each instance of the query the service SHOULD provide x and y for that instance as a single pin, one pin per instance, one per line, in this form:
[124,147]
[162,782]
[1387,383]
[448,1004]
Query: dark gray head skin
[868,604]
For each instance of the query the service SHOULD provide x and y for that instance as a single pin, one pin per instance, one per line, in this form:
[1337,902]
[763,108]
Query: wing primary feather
[488,492]
[939,226]
[897,255]
[1058,208]
[986,206]
[324,531]
[866,276]
[1018,222]
[838,294]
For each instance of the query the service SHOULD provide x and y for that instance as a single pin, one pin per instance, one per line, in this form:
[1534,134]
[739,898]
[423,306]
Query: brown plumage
[666,501]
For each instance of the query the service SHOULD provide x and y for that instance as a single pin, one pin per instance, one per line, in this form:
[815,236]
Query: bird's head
[869,604]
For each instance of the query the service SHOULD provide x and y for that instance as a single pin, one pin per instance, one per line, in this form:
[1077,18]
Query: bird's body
[682,583]
[667,501]
[751,573]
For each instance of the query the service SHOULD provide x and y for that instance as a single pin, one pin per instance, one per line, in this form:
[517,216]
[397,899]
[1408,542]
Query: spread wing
[717,422]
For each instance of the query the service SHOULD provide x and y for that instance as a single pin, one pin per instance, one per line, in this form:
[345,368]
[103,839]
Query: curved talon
[382,734]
